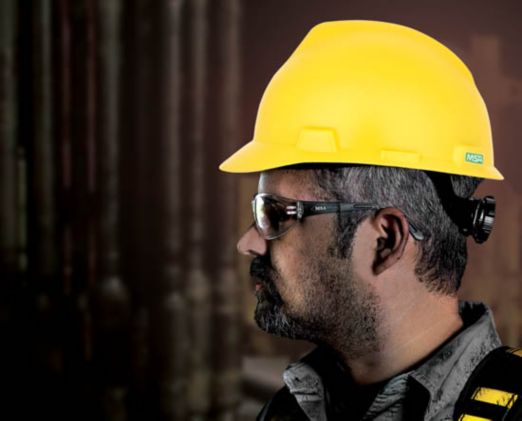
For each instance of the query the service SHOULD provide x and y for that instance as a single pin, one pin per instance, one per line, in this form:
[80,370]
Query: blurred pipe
[81,103]
[43,163]
[198,285]
[71,315]
[171,314]
[112,347]
[21,203]
[44,280]
[65,143]
[12,198]
[82,191]
[230,118]
[82,126]
[135,130]
[107,153]
[9,241]
[91,119]
[226,388]
[75,96]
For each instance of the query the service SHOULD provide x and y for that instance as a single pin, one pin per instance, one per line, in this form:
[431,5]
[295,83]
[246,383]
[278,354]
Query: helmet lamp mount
[479,218]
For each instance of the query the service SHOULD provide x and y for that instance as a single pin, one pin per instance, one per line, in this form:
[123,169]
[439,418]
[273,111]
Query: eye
[271,215]
[276,214]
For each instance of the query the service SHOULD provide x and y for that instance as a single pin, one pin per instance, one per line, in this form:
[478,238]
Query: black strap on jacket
[494,389]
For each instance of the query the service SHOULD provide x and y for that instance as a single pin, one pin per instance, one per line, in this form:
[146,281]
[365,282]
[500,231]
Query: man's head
[366,112]
[310,285]
[305,288]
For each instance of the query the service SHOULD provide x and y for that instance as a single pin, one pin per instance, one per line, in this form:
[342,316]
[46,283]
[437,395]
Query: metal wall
[116,299]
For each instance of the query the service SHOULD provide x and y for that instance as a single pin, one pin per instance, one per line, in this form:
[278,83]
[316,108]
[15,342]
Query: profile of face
[304,287]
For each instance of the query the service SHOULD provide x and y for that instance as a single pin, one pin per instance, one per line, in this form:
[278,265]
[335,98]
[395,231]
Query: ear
[392,235]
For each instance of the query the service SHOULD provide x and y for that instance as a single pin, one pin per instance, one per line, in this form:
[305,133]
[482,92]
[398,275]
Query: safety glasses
[275,215]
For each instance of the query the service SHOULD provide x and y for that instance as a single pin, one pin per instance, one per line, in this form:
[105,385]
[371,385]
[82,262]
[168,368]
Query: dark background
[121,295]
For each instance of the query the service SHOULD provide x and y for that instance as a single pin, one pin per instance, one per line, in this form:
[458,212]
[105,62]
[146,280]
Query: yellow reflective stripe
[495,397]
[466,417]
[516,351]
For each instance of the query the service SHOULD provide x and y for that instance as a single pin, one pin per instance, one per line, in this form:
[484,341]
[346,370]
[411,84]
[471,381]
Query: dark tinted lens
[271,217]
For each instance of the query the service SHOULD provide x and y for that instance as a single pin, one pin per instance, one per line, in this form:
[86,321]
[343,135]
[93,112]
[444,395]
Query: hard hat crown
[376,93]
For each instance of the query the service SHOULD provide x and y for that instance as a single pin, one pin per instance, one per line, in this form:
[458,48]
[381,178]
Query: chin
[273,319]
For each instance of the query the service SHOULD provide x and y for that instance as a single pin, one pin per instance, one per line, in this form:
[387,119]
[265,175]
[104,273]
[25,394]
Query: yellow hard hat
[377,93]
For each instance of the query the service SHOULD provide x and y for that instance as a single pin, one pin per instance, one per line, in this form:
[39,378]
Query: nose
[251,243]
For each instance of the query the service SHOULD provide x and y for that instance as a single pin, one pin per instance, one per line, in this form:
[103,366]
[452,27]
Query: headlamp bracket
[473,216]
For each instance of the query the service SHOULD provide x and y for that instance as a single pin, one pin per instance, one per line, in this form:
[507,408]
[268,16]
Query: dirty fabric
[323,389]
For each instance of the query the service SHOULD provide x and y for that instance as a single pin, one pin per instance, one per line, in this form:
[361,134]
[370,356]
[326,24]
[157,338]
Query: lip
[259,287]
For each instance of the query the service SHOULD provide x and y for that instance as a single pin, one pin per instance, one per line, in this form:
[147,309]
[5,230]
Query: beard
[269,314]
[336,311]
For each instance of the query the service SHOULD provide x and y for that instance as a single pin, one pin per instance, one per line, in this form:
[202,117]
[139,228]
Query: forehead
[293,184]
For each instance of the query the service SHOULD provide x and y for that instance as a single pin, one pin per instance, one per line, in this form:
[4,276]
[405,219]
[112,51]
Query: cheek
[363,253]
[297,278]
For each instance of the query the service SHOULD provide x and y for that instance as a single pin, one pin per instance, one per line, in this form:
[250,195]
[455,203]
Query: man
[370,140]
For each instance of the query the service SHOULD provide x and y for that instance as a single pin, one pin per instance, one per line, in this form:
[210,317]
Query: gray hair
[443,252]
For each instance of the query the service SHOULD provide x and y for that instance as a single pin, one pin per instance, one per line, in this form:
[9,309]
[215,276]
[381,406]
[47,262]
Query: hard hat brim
[258,156]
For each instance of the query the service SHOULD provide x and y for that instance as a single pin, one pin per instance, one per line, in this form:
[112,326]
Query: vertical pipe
[42,235]
[9,247]
[91,116]
[65,142]
[135,117]
[198,284]
[77,80]
[226,382]
[10,195]
[112,297]
[72,334]
[43,148]
[81,100]
[44,278]
[109,51]
[172,306]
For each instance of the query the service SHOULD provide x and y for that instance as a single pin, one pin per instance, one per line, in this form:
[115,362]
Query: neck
[408,336]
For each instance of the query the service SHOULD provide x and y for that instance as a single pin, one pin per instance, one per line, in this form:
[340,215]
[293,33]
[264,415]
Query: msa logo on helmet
[474,158]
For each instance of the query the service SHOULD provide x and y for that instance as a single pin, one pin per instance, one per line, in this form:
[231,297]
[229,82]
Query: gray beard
[340,315]
[270,317]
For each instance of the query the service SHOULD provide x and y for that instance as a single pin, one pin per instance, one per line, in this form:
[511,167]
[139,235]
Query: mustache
[261,269]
